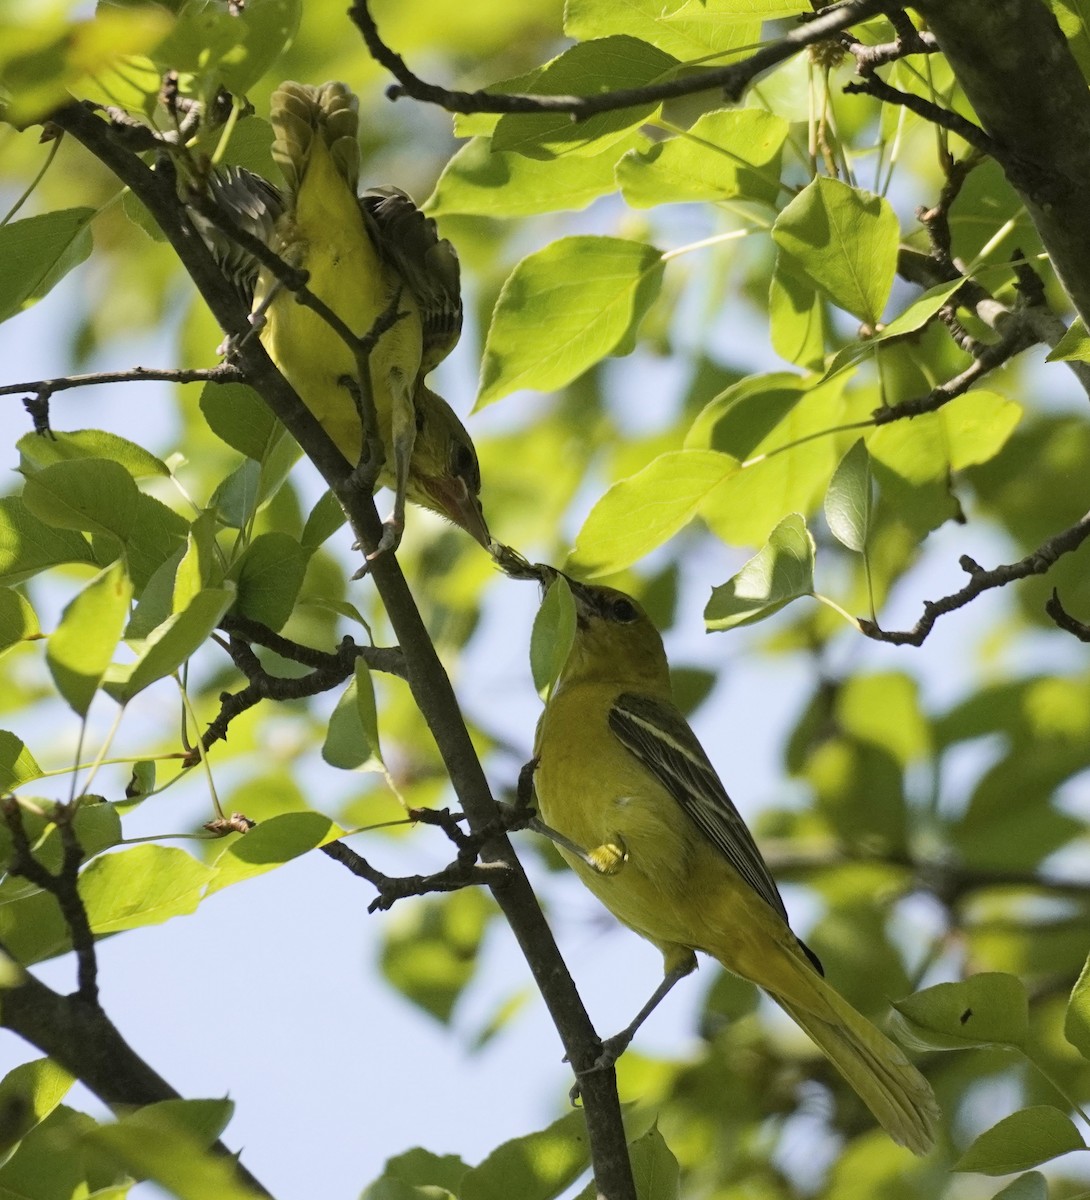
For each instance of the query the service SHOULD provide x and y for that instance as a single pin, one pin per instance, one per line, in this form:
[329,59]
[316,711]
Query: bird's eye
[624,611]
[463,459]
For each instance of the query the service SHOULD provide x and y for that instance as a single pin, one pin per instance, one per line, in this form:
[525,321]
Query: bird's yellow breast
[324,234]
[593,791]
[675,888]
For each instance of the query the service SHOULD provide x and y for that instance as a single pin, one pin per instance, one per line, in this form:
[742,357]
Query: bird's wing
[408,242]
[254,205]
[659,736]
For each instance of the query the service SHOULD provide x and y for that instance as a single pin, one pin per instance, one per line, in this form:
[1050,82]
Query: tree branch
[1036,563]
[732,80]
[428,681]
[63,887]
[82,1039]
[44,388]
[945,118]
[1030,96]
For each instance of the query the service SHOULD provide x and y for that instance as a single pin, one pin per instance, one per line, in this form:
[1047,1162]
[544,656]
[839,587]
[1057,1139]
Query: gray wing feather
[658,735]
[255,205]
[410,244]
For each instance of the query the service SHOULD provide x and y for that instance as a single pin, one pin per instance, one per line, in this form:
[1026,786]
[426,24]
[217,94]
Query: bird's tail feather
[896,1093]
[299,113]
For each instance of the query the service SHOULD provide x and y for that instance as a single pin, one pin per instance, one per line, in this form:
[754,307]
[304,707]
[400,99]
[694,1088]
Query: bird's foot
[612,1049]
[388,543]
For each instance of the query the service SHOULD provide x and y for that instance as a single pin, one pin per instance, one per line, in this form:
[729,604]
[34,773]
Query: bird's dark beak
[581,594]
[459,505]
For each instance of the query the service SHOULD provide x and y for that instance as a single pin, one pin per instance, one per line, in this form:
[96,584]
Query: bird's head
[614,640]
[445,475]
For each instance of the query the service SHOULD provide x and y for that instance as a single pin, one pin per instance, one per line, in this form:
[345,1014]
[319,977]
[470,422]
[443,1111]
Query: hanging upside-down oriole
[363,253]
[638,811]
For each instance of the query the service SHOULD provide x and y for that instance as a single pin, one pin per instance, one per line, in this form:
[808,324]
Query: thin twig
[945,118]
[988,357]
[1035,563]
[909,40]
[44,388]
[328,671]
[63,887]
[387,659]
[1064,619]
[465,871]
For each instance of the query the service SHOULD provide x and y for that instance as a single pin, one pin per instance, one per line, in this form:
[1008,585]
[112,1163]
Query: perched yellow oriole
[639,813]
[362,254]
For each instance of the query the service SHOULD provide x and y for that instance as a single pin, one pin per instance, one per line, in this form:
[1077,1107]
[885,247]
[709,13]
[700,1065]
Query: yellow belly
[325,235]
[675,888]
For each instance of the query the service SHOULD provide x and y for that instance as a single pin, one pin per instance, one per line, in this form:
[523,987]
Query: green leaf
[431,948]
[480,181]
[38,252]
[38,452]
[912,460]
[1074,346]
[654,1167]
[1077,1020]
[552,635]
[82,645]
[325,518]
[781,571]
[18,620]
[536,1167]
[1024,1139]
[913,319]
[1031,1186]
[984,1010]
[97,826]
[352,741]
[39,1166]
[563,309]
[693,29]
[28,545]
[236,414]
[157,533]
[159,1143]
[725,154]
[270,844]
[585,69]
[54,58]
[17,765]
[845,240]
[640,513]
[236,498]
[93,495]
[28,1094]
[777,426]
[884,709]
[849,500]
[269,575]
[200,565]
[418,1169]
[796,315]
[234,47]
[164,650]
[144,885]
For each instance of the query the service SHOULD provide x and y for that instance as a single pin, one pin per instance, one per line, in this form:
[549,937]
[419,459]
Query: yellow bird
[362,253]
[639,813]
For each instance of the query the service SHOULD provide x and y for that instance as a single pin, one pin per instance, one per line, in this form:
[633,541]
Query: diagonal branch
[427,679]
[732,80]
